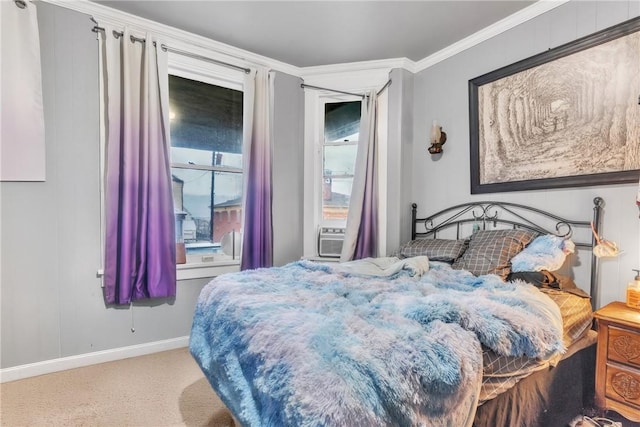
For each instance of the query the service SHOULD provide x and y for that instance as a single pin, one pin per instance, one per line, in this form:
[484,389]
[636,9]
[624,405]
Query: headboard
[480,215]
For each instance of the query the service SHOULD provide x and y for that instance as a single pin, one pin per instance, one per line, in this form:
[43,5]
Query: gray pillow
[444,250]
[490,251]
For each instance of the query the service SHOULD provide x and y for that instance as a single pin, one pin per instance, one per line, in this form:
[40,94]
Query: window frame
[313,173]
[210,73]
[324,100]
[356,82]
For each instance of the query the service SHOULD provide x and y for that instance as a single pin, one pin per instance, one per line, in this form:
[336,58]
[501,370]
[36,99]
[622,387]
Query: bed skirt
[547,398]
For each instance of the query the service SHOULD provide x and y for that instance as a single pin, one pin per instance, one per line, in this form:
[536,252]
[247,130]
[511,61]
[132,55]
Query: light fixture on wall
[438,138]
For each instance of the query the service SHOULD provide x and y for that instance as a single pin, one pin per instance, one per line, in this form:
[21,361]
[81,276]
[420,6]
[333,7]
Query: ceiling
[312,33]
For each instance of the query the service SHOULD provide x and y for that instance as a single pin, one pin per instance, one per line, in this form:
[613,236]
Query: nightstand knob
[626,386]
[626,347]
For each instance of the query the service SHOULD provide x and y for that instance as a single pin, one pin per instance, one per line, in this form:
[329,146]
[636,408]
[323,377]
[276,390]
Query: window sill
[202,270]
[321,259]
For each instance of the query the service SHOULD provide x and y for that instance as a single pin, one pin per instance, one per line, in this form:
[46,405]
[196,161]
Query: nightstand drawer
[623,385]
[618,360]
[624,346]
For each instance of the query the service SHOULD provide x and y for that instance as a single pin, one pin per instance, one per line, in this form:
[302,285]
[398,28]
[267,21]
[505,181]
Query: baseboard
[55,365]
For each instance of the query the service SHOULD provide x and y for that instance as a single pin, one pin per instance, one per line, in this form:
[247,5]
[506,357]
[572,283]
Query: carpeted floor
[162,389]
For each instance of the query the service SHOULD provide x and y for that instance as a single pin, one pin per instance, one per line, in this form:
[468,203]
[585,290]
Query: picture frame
[566,117]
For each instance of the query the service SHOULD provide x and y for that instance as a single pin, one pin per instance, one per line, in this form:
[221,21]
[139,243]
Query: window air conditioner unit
[330,240]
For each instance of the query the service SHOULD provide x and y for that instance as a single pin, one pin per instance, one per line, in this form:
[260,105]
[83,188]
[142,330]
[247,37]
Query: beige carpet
[162,389]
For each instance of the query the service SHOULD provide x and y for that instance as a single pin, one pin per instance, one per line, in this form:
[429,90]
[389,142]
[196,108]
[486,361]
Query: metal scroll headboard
[493,214]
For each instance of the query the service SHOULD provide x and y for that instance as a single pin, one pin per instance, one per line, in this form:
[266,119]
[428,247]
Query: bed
[445,332]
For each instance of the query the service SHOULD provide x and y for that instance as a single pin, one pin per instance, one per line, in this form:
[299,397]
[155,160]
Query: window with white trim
[338,131]
[341,88]
[206,125]
[341,130]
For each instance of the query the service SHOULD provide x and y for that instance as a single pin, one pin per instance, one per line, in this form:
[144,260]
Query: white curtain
[257,244]
[22,147]
[361,236]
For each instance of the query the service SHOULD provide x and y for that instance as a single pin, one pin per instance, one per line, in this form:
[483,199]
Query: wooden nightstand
[618,360]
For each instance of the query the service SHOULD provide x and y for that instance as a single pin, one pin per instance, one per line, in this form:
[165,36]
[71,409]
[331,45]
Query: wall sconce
[438,138]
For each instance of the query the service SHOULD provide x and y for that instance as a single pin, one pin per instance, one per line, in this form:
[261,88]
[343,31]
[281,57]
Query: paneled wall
[51,300]
[52,304]
[441,93]
[399,155]
[288,161]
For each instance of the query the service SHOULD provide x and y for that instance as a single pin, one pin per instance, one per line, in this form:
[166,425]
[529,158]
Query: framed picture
[567,117]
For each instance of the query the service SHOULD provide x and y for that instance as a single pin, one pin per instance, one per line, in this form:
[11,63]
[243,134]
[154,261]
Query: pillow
[546,252]
[490,251]
[444,250]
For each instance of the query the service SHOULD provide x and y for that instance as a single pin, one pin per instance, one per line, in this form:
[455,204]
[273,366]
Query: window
[332,125]
[206,166]
[339,150]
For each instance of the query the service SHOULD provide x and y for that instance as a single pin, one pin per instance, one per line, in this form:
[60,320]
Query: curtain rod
[386,85]
[164,47]
[204,58]
[118,34]
[303,85]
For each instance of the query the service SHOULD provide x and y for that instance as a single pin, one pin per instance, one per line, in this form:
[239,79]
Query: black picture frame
[521,111]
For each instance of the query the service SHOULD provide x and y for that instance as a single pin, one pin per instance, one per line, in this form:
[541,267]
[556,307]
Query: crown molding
[351,81]
[224,52]
[522,16]
[175,37]
[386,64]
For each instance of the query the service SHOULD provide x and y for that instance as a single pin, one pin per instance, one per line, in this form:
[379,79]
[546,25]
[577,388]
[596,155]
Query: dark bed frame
[553,396]
[482,215]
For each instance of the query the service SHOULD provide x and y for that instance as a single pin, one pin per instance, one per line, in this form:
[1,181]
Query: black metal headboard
[480,215]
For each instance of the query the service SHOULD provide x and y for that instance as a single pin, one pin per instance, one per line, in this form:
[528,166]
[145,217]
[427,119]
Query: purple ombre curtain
[140,257]
[257,239]
[361,236]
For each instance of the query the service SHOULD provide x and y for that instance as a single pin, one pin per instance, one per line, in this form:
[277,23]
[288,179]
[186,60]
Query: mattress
[503,372]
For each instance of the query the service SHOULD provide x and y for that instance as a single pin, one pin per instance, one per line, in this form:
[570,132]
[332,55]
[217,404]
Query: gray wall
[288,161]
[441,92]
[399,153]
[52,304]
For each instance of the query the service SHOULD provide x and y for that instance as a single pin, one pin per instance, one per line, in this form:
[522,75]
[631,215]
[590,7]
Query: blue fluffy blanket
[309,344]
